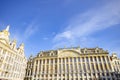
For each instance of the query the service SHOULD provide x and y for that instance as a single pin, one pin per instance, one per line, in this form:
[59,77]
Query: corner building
[12,59]
[72,64]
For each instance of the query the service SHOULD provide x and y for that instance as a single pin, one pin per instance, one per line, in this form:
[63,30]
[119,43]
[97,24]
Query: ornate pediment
[69,53]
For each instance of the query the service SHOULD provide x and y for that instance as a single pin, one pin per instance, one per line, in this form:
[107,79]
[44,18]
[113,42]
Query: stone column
[73,66]
[41,73]
[49,68]
[69,67]
[81,61]
[94,63]
[98,63]
[58,69]
[54,68]
[90,66]
[61,68]
[34,66]
[77,68]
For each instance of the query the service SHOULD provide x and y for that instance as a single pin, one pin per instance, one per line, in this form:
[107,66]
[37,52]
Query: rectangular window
[84,67]
[103,58]
[101,67]
[63,67]
[105,66]
[91,59]
[80,68]
[107,74]
[55,68]
[99,59]
[55,60]
[40,61]
[83,59]
[48,61]
[88,66]
[66,59]
[95,59]
[107,58]
[51,60]
[70,59]
[63,60]
[59,60]
[74,59]
[87,60]
[109,66]
[103,74]
[92,67]
[47,68]
[59,68]
[71,67]
[97,67]
[78,59]
[43,61]
[67,68]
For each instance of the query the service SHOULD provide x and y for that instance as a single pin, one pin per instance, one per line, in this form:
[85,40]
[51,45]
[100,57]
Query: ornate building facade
[116,65]
[12,59]
[73,64]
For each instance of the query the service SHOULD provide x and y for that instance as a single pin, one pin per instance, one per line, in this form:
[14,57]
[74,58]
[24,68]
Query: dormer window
[97,51]
[41,55]
[52,54]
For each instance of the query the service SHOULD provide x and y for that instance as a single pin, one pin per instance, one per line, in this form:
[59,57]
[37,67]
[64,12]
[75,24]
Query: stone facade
[73,64]
[12,59]
[116,65]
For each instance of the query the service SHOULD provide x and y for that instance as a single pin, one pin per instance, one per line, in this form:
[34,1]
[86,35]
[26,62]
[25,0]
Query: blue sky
[52,24]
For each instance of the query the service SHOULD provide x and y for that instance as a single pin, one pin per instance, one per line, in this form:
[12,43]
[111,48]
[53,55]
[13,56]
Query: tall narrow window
[87,60]
[80,68]
[88,66]
[67,68]
[74,59]
[43,61]
[110,66]
[47,61]
[103,58]
[70,59]
[78,59]
[101,66]
[97,67]
[105,66]
[84,67]
[92,67]
[99,59]
[107,58]
[55,60]
[59,60]
[63,60]
[66,59]
[51,60]
[59,68]
[91,59]
[83,59]
[40,61]
[95,59]
[71,67]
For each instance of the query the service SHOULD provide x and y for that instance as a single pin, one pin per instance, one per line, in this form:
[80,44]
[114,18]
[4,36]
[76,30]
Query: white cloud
[27,32]
[90,22]
[30,30]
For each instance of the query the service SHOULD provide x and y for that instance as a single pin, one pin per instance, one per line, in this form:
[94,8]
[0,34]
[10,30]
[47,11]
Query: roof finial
[7,28]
